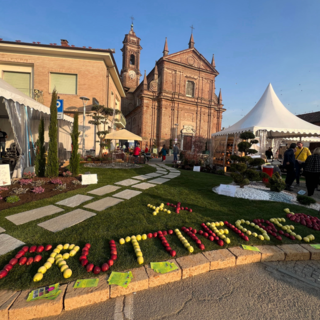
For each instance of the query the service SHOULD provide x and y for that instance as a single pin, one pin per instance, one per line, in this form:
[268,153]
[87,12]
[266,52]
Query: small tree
[53,163]
[243,167]
[276,183]
[40,162]
[75,157]
[100,120]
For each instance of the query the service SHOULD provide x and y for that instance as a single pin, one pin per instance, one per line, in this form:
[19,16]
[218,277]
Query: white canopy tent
[122,135]
[271,121]
[19,118]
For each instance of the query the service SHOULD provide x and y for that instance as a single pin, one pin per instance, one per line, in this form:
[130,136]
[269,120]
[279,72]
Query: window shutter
[190,89]
[19,80]
[64,83]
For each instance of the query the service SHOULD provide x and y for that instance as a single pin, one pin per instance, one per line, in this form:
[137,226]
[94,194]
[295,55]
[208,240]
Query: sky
[255,42]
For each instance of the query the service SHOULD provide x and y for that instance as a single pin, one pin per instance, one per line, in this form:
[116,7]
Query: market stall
[19,118]
[270,121]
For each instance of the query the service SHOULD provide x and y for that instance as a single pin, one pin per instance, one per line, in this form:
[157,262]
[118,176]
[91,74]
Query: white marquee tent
[272,123]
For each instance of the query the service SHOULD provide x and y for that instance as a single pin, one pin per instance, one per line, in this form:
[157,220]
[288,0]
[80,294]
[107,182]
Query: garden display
[177,208]
[217,231]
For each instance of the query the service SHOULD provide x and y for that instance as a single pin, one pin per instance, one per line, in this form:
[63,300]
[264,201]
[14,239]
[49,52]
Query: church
[176,101]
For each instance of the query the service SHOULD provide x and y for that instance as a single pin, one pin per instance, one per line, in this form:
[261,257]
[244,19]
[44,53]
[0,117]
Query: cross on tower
[132,18]
[192,28]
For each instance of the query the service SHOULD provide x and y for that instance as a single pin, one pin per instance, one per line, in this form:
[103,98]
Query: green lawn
[132,217]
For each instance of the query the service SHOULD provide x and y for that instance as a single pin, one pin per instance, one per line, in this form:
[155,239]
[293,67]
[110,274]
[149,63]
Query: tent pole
[224,157]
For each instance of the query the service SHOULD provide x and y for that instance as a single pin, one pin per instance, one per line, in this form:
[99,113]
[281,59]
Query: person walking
[3,137]
[289,163]
[164,153]
[301,156]
[269,153]
[147,154]
[136,153]
[175,153]
[312,171]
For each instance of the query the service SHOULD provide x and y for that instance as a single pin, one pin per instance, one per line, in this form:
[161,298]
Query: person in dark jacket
[288,162]
[269,153]
[312,171]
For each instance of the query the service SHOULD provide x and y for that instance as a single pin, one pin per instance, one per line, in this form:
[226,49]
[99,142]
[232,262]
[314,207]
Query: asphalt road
[257,291]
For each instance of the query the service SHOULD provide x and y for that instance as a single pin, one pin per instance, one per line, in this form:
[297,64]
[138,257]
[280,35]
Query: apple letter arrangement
[213,231]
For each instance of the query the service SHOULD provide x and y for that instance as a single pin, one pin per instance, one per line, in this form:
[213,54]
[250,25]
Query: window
[19,80]
[64,83]
[190,89]
[132,59]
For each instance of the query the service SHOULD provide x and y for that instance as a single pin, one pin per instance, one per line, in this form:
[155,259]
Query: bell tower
[130,72]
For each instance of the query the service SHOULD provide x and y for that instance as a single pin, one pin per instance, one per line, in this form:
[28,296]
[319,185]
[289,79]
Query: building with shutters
[176,101]
[36,69]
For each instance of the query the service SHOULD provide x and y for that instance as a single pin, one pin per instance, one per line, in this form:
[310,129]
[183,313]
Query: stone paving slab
[139,282]
[35,214]
[315,253]
[153,175]
[158,279]
[6,300]
[66,220]
[74,201]
[2,230]
[81,297]
[245,256]
[103,204]
[170,176]
[127,194]
[220,259]
[127,182]
[193,265]
[104,190]
[142,177]
[23,310]
[271,253]
[159,181]
[294,252]
[143,186]
[8,243]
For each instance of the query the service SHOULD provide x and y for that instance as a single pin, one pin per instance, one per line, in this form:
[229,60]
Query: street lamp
[176,125]
[84,99]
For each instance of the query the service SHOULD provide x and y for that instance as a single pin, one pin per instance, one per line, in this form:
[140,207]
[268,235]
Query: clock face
[132,74]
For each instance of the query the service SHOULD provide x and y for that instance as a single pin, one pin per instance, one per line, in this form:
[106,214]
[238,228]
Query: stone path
[142,177]
[143,186]
[152,175]
[8,243]
[104,190]
[2,230]
[127,194]
[74,201]
[103,204]
[66,220]
[127,182]
[159,181]
[31,215]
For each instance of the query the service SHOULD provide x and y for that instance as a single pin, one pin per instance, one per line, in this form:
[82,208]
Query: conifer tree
[53,163]
[75,157]
[40,162]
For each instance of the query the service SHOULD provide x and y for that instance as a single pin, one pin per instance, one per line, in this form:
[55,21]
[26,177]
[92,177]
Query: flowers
[56,181]
[29,175]
[25,181]
[67,174]
[38,190]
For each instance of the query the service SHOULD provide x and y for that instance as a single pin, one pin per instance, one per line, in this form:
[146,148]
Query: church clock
[132,74]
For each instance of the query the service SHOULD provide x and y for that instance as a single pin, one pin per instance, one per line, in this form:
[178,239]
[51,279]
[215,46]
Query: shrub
[305,200]
[29,175]
[24,182]
[40,162]
[276,183]
[220,172]
[38,190]
[12,199]
[67,174]
[75,157]
[56,181]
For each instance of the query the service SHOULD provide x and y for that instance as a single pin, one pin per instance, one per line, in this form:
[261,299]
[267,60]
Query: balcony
[120,121]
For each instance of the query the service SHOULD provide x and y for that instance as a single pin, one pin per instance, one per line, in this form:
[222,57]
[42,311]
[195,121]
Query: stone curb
[13,305]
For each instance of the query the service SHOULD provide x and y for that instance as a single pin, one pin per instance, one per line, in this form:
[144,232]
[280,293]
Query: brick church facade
[176,101]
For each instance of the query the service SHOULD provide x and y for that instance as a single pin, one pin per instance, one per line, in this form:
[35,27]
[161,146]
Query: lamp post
[176,125]
[84,99]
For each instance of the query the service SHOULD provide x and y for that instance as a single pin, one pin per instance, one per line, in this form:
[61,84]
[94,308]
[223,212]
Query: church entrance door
[187,143]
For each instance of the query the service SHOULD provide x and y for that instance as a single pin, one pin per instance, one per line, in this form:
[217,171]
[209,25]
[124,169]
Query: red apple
[155,234]
[112,241]
[182,208]
[85,253]
[168,204]
[168,249]
[32,249]
[19,255]
[216,238]
[88,245]
[170,231]
[3,273]
[104,267]
[110,263]
[48,247]
[113,257]
[25,248]
[37,258]
[96,270]
[245,238]
[82,257]
[165,233]
[190,210]
[205,234]
[198,241]
[89,267]
[84,262]
[29,261]
[149,235]
[186,208]
[173,253]
[22,261]
[220,243]
[13,261]
[211,238]
[8,267]
[201,246]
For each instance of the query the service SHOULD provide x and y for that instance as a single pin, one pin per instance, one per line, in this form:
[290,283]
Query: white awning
[122,135]
[271,115]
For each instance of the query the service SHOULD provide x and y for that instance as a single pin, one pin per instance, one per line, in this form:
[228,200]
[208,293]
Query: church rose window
[190,89]
[132,60]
